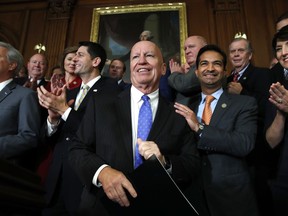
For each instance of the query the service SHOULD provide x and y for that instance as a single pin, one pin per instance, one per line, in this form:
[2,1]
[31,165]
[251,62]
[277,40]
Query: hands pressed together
[176,67]
[279,97]
[55,100]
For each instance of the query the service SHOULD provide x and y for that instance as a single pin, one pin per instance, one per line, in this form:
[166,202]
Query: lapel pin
[224,105]
[94,90]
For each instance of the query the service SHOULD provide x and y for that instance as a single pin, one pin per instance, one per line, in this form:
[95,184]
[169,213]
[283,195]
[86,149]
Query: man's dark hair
[95,50]
[212,47]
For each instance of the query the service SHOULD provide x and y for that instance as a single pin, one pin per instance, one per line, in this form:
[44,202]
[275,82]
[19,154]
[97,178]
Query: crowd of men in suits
[225,166]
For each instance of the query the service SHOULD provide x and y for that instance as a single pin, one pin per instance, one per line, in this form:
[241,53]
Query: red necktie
[235,78]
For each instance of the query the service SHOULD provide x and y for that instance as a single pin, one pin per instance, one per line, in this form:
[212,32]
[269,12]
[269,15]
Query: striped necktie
[207,112]
[83,91]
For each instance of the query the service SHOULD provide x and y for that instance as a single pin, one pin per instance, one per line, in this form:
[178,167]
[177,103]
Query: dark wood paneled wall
[61,23]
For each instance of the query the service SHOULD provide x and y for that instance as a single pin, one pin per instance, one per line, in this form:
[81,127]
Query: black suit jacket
[105,137]
[224,145]
[256,82]
[60,169]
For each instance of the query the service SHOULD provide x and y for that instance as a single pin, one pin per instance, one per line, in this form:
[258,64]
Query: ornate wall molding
[227,5]
[60,9]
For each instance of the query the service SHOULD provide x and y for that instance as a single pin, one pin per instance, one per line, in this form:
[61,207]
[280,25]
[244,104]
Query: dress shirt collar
[136,95]
[241,71]
[4,83]
[91,82]
[216,95]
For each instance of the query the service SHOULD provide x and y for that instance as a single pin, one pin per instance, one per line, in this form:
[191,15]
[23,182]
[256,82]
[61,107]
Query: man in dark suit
[183,78]
[63,187]
[117,69]
[255,82]
[19,112]
[102,152]
[226,140]
[37,67]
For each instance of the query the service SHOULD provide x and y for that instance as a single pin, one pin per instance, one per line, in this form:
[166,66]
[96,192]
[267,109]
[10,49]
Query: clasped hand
[279,97]
[115,184]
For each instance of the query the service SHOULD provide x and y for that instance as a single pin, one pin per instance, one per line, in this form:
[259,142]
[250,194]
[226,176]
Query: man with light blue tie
[106,145]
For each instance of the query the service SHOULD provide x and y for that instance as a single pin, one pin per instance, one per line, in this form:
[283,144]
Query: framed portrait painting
[118,28]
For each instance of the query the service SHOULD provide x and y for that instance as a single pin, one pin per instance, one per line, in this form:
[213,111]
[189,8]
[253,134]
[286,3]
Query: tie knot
[85,87]
[209,99]
[145,98]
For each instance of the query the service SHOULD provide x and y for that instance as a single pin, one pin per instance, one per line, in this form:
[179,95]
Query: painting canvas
[118,28]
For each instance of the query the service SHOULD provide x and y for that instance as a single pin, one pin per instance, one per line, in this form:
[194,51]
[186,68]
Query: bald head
[192,46]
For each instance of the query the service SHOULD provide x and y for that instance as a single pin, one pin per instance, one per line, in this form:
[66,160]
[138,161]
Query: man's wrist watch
[200,128]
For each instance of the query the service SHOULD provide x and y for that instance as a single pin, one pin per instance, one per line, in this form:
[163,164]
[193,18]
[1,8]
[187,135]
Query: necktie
[236,76]
[144,126]
[84,89]
[207,112]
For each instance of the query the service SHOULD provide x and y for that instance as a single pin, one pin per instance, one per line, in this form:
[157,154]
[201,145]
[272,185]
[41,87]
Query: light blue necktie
[144,125]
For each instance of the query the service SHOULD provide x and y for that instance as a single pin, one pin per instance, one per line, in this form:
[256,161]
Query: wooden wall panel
[26,23]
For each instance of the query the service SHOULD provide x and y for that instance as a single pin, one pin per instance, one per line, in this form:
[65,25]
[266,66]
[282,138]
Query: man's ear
[164,68]
[12,66]
[96,61]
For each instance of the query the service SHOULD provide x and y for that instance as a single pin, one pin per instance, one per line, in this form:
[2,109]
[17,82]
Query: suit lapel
[7,90]
[160,120]
[221,107]
[246,74]
[123,109]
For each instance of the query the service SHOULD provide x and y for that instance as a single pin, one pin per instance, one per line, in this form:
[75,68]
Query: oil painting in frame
[118,28]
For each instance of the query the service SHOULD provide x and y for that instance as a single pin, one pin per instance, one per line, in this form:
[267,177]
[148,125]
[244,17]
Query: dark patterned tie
[236,76]
[144,126]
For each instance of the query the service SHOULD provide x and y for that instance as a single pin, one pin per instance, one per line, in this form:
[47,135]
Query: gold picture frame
[119,28]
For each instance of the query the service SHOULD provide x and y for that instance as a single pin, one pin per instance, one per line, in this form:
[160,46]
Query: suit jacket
[256,83]
[123,84]
[19,125]
[105,137]
[60,170]
[224,144]
[186,85]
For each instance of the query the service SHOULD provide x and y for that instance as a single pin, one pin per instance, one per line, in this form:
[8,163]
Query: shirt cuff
[95,178]
[66,114]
